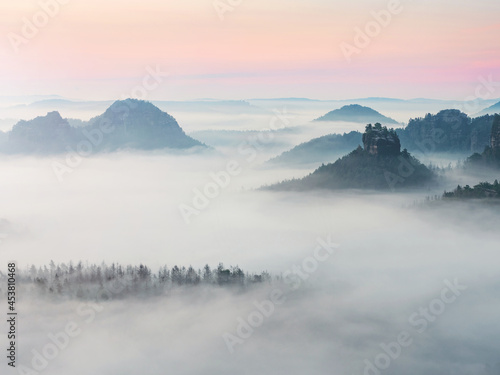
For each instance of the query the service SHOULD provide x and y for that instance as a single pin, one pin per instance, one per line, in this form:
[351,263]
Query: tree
[222,275]
[191,276]
[177,276]
[207,274]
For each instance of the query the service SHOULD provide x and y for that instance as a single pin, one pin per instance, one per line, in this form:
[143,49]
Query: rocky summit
[378,140]
[381,165]
[126,124]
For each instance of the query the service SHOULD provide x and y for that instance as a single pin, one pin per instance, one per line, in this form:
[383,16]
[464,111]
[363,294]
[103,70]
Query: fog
[396,254]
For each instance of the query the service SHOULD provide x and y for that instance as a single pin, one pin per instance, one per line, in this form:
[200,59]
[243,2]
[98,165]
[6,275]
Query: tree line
[86,280]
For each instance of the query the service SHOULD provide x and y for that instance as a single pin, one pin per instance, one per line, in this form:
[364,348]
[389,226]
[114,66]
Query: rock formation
[378,140]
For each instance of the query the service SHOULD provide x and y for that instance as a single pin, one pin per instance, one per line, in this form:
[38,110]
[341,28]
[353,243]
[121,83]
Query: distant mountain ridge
[490,157]
[381,165]
[356,113]
[494,109]
[320,150]
[43,134]
[324,149]
[126,124]
[447,131]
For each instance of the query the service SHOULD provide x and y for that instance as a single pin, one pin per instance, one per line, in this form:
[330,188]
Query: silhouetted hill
[132,124]
[319,150]
[44,134]
[447,131]
[490,157]
[380,166]
[356,113]
[495,134]
[138,124]
[495,108]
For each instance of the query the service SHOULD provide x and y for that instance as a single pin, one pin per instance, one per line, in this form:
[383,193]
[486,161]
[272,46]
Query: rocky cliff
[490,157]
[378,140]
[381,165]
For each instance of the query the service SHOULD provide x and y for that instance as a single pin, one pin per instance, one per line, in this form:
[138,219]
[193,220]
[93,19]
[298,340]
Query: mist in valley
[397,252]
[249,187]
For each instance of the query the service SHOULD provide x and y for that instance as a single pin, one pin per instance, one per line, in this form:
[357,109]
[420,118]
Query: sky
[253,49]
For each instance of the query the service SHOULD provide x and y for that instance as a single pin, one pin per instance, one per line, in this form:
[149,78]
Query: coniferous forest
[84,281]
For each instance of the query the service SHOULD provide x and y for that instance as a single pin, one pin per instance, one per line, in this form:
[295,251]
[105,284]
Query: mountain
[139,124]
[320,150]
[26,99]
[132,124]
[43,135]
[356,113]
[380,165]
[495,134]
[380,141]
[490,157]
[447,131]
[495,108]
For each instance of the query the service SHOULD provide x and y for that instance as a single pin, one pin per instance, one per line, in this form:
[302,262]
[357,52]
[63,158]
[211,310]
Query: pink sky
[263,48]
